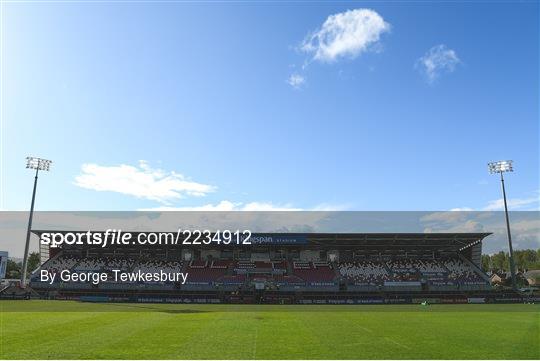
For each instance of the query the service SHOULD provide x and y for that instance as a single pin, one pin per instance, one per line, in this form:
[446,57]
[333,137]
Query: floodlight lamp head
[38,163]
[500,166]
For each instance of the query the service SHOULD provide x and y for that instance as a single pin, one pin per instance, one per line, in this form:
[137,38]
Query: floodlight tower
[501,167]
[37,164]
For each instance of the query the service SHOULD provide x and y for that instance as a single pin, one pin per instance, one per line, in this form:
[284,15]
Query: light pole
[37,164]
[501,167]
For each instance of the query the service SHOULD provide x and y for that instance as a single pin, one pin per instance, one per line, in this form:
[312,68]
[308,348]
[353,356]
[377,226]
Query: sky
[525,225]
[394,106]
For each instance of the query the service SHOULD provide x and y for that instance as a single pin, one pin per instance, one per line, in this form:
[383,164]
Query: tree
[33,262]
[526,259]
[13,269]
[500,261]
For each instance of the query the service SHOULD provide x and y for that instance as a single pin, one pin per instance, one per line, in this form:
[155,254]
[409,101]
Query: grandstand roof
[449,242]
[405,241]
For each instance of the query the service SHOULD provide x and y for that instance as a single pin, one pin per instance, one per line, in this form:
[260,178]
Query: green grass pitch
[72,330]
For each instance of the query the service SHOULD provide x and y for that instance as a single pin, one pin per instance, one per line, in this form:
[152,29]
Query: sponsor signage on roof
[261,238]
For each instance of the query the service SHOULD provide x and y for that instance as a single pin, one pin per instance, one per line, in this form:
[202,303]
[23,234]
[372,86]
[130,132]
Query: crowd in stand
[402,266]
[371,273]
[153,266]
[58,264]
[460,271]
[215,270]
[431,266]
[107,264]
[104,263]
[376,273]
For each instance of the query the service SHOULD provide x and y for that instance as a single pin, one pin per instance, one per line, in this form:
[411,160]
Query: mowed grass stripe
[77,337]
[163,336]
[269,332]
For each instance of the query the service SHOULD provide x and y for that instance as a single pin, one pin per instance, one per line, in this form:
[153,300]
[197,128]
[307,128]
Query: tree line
[13,269]
[525,259]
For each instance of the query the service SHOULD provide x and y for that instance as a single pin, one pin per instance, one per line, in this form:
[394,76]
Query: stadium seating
[368,273]
[60,263]
[245,264]
[444,273]
[234,279]
[279,265]
[460,271]
[431,266]
[285,280]
[198,274]
[307,271]
[152,266]
[220,264]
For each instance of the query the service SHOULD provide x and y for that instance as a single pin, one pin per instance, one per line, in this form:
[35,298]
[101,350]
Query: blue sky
[202,93]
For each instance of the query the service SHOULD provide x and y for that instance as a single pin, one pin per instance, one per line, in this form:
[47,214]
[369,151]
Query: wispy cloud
[247,207]
[227,206]
[525,227]
[296,80]
[436,61]
[141,181]
[346,34]
[514,204]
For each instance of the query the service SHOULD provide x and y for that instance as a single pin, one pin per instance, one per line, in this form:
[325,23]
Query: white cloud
[515,203]
[261,206]
[444,217]
[247,207]
[468,226]
[223,206]
[437,60]
[525,227]
[346,34]
[141,182]
[228,206]
[296,80]
[461,209]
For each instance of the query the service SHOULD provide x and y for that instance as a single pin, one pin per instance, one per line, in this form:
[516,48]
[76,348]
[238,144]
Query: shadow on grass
[174,308]
[145,308]
[78,306]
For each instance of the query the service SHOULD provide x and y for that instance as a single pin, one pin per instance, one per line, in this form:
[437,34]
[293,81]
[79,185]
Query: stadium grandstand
[283,268]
